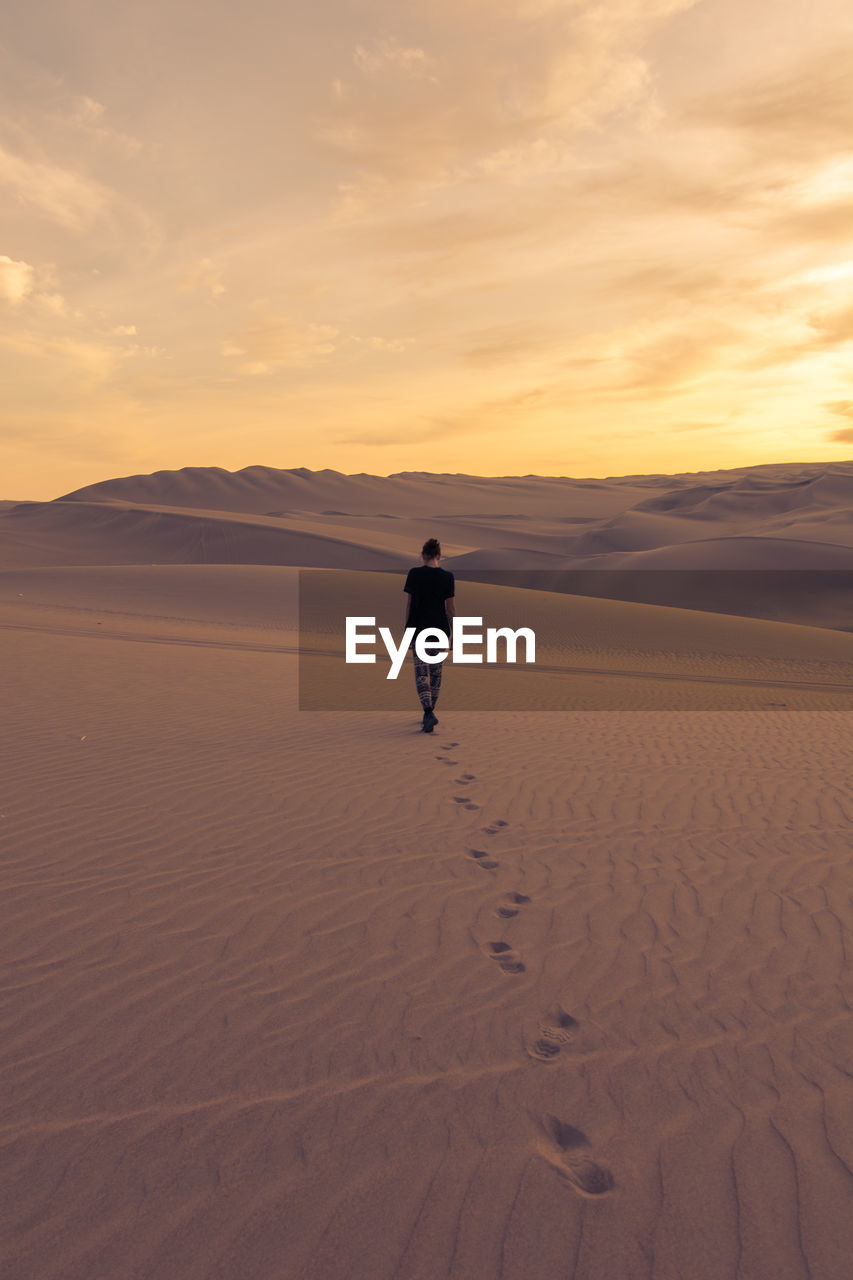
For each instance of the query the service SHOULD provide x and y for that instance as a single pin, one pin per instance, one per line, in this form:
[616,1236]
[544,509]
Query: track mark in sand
[566,1136]
[556,1030]
[503,953]
[495,827]
[509,907]
[483,859]
[464,780]
[585,1175]
[560,1025]
[544,1050]
[466,802]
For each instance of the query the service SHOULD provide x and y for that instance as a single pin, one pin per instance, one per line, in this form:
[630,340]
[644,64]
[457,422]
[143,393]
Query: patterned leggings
[427,681]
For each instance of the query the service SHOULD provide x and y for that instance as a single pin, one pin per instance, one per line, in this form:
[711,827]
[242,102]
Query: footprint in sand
[568,1147]
[483,859]
[495,827]
[465,802]
[503,953]
[464,780]
[555,1031]
[509,907]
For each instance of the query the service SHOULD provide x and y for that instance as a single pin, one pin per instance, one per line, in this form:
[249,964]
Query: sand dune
[793,517]
[112,533]
[260,489]
[263,489]
[297,995]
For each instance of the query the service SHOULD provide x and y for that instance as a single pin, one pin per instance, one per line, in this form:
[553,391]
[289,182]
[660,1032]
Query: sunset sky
[495,236]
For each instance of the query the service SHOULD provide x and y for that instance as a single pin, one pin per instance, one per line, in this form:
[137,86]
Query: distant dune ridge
[575,522]
[785,517]
[315,996]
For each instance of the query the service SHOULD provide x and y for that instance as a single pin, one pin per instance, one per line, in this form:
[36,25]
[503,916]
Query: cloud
[502,345]
[833,326]
[20,282]
[389,56]
[501,81]
[698,426]
[665,362]
[386,344]
[17,279]
[53,302]
[844,408]
[424,430]
[87,363]
[462,231]
[844,436]
[800,112]
[829,273]
[69,199]
[88,116]
[473,418]
[204,276]
[274,342]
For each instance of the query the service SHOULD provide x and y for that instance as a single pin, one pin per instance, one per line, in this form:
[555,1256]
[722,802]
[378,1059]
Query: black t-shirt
[429,588]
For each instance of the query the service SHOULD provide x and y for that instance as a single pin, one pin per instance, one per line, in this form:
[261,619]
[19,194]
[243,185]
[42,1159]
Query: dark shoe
[430,721]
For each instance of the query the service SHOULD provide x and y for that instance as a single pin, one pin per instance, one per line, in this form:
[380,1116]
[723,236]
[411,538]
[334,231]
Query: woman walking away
[431,605]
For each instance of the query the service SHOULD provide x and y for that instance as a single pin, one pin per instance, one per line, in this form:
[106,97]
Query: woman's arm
[450,607]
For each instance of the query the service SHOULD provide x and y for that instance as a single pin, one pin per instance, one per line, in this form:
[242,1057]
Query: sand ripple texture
[321,997]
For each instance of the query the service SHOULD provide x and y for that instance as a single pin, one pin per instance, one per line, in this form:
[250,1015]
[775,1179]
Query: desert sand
[309,995]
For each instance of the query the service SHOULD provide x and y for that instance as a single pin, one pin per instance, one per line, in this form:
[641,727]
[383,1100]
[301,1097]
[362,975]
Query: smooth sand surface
[314,995]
